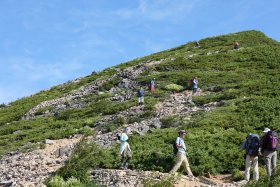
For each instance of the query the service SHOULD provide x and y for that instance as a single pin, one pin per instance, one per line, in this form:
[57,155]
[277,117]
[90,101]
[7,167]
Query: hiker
[125,151]
[181,154]
[251,145]
[269,147]
[236,45]
[152,85]
[194,84]
[197,44]
[140,95]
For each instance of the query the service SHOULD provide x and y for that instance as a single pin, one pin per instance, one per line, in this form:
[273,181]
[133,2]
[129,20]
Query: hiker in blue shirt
[140,95]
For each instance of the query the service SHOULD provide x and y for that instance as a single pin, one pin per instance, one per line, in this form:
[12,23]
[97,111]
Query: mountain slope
[238,95]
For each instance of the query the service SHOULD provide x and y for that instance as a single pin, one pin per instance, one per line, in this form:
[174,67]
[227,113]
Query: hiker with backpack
[269,147]
[252,146]
[152,84]
[140,95]
[125,151]
[179,149]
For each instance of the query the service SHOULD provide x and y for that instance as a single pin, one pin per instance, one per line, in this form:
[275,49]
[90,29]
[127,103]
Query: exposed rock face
[31,169]
[73,99]
[133,178]
[177,104]
[124,178]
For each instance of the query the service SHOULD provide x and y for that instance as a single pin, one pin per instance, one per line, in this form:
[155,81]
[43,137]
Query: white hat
[266,130]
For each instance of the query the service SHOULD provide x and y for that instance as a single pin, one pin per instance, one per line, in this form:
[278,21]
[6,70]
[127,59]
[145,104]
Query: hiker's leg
[273,161]
[178,163]
[128,156]
[123,161]
[247,168]
[139,100]
[142,99]
[255,165]
[187,166]
[267,160]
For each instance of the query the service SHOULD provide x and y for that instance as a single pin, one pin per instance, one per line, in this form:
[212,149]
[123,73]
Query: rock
[6,183]
[17,132]
[63,151]
[156,123]
[47,141]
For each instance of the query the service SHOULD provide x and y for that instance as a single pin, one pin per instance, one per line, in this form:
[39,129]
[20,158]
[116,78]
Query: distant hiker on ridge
[236,45]
[269,147]
[181,154]
[251,145]
[140,95]
[125,151]
[197,44]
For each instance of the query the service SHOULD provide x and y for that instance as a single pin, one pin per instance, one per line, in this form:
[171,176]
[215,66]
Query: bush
[174,87]
[237,175]
[58,181]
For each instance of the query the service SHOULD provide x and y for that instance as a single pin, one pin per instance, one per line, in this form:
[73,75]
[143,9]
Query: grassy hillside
[247,80]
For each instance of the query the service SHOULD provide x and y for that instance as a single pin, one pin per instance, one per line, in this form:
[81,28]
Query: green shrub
[58,181]
[174,87]
[237,175]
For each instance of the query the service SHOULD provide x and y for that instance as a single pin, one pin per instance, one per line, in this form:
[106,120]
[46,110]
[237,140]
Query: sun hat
[266,130]
[182,132]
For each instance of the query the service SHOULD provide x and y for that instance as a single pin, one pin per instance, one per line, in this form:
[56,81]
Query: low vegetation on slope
[247,80]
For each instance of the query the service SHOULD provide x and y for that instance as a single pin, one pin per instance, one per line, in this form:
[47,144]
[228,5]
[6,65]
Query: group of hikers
[254,146]
[236,44]
[193,84]
[265,146]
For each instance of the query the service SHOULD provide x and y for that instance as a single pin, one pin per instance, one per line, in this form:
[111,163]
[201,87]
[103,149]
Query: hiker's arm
[179,146]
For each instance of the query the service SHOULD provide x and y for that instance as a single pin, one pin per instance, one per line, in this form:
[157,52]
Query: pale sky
[48,42]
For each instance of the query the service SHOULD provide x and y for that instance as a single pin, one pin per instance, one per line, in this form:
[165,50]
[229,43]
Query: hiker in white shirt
[125,150]
[181,155]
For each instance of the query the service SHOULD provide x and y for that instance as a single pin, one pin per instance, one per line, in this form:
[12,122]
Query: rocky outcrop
[133,178]
[124,178]
[31,169]
[73,98]
[177,104]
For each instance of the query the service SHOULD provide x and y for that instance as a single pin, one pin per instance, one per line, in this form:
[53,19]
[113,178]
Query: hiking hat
[182,132]
[266,130]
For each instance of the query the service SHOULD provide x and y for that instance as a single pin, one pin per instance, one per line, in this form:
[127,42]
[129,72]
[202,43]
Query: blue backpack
[252,145]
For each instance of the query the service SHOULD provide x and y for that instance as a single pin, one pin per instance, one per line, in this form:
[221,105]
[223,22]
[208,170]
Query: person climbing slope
[140,95]
[152,85]
[252,146]
[181,155]
[194,84]
[125,151]
[269,147]
[236,45]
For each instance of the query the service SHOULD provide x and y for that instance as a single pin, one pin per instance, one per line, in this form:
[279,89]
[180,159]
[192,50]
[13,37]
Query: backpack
[175,148]
[190,82]
[140,93]
[118,136]
[252,145]
[272,140]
